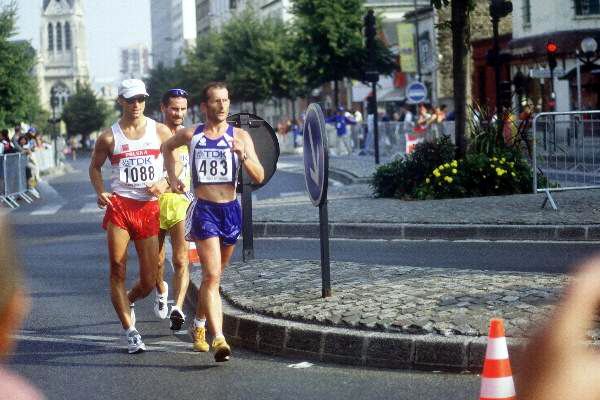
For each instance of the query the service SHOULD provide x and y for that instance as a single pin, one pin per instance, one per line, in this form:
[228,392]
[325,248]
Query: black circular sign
[265,144]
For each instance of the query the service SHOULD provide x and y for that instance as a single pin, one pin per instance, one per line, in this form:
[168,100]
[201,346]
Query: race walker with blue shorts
[213,162]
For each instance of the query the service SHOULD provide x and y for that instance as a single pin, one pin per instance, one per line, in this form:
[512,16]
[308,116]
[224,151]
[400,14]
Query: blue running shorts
[206,219]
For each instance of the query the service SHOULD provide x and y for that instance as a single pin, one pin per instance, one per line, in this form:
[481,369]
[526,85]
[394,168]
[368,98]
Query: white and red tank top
[212,160]
[136,164]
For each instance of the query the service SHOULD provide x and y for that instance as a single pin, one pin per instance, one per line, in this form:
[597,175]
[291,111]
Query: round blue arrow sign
[416,92]
[316,162]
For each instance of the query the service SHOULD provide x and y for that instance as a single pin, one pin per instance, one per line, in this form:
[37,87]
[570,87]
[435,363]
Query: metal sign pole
[247,228]
[325,267]
[375,124]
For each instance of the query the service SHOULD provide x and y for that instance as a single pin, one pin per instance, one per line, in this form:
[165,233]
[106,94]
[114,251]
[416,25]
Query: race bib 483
[214,165]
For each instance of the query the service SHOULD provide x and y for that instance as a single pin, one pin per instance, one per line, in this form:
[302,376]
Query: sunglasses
[177,93]
[140,99]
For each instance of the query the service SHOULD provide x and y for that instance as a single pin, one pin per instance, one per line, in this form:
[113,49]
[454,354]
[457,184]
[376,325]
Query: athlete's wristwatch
[244,157]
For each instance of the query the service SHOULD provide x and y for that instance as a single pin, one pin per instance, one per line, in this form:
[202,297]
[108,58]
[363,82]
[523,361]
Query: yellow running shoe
[221,349]
[199,337]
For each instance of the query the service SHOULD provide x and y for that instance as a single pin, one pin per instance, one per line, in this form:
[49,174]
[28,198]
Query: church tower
[63,53]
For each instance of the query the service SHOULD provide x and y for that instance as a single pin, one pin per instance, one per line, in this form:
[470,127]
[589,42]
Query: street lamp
[54,104]
[588,57]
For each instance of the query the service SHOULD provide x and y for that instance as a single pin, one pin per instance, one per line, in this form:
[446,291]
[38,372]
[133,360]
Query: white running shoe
[160,303]
[134,342]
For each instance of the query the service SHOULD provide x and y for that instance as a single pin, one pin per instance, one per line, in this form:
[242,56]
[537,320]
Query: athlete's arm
[181,137]
[244,147]
[102,150]
[162,185]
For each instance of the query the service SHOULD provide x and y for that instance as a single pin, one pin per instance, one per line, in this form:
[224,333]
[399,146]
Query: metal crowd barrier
[395,137]
[566,149]
[13,181]
[13,175]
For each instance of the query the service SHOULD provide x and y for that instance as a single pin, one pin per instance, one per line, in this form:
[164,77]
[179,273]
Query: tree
[84,113]
[460,26]
[329,41]
[250,50]
[160,80]
[202,65]
[19,99]
[287,79]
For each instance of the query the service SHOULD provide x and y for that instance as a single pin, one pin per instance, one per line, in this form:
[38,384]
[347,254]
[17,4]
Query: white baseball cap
[132,87]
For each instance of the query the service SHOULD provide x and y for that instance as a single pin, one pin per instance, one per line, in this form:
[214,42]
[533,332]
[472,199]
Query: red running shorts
[139,218]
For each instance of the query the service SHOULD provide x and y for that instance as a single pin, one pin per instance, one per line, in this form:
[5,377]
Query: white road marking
[168,346]
[304,364]
[91,208]
[95,338]
[292,194]
[49,209]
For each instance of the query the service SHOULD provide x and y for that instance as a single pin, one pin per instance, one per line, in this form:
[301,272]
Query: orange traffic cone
[496,380]
[193,254]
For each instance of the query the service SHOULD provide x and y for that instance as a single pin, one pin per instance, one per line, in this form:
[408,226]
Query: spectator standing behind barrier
[341,120]
[438,116]
[14,305]
[358,129]
[6,145]
[423,119]
[32,171]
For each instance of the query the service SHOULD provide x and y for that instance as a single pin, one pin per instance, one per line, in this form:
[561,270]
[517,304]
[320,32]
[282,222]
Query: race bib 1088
[139,172]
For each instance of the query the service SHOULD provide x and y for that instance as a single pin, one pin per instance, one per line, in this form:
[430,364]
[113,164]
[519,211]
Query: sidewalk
[396,316]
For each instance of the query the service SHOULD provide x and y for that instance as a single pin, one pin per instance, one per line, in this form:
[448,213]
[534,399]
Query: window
[232,4]
[67,36]
[587,7]
[527,12]
[50,38]
[58,36]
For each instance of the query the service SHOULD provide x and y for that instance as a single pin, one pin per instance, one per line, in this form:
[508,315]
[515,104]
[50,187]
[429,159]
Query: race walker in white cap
[133,146]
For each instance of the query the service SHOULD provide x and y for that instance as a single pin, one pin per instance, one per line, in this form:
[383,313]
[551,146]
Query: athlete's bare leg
[181,275]
[118,239]
[147,251]
[160,274]
[214,256]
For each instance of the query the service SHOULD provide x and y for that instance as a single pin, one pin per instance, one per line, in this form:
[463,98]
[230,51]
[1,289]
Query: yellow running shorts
[172,209]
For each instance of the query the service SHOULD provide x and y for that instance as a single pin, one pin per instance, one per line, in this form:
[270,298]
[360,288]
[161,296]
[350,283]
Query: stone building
[173,30]
[567,24]
[63,62]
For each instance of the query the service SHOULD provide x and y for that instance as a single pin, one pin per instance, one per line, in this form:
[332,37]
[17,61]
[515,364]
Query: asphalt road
[72,346]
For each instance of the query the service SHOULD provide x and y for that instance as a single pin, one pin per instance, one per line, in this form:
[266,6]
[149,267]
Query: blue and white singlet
[212,160]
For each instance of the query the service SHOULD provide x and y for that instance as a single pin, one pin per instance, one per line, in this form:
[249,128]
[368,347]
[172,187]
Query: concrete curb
[431,231]
[352,346]
[347,178]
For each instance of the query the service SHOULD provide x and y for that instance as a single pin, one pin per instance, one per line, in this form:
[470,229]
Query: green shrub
[478,175]
[402,177]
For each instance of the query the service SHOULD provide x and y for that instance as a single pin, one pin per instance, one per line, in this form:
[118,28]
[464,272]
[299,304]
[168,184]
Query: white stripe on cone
[496,349]
[192,254]
[497,388]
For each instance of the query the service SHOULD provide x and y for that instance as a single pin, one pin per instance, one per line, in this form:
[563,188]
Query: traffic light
[500,8]
[370,29]
[371,105]
[505,94]
[551,49]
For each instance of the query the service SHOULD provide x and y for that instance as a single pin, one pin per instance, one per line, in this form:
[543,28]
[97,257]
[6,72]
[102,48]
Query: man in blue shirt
[340,120]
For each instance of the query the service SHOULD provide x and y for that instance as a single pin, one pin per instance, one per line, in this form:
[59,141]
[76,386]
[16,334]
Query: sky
[110,25]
